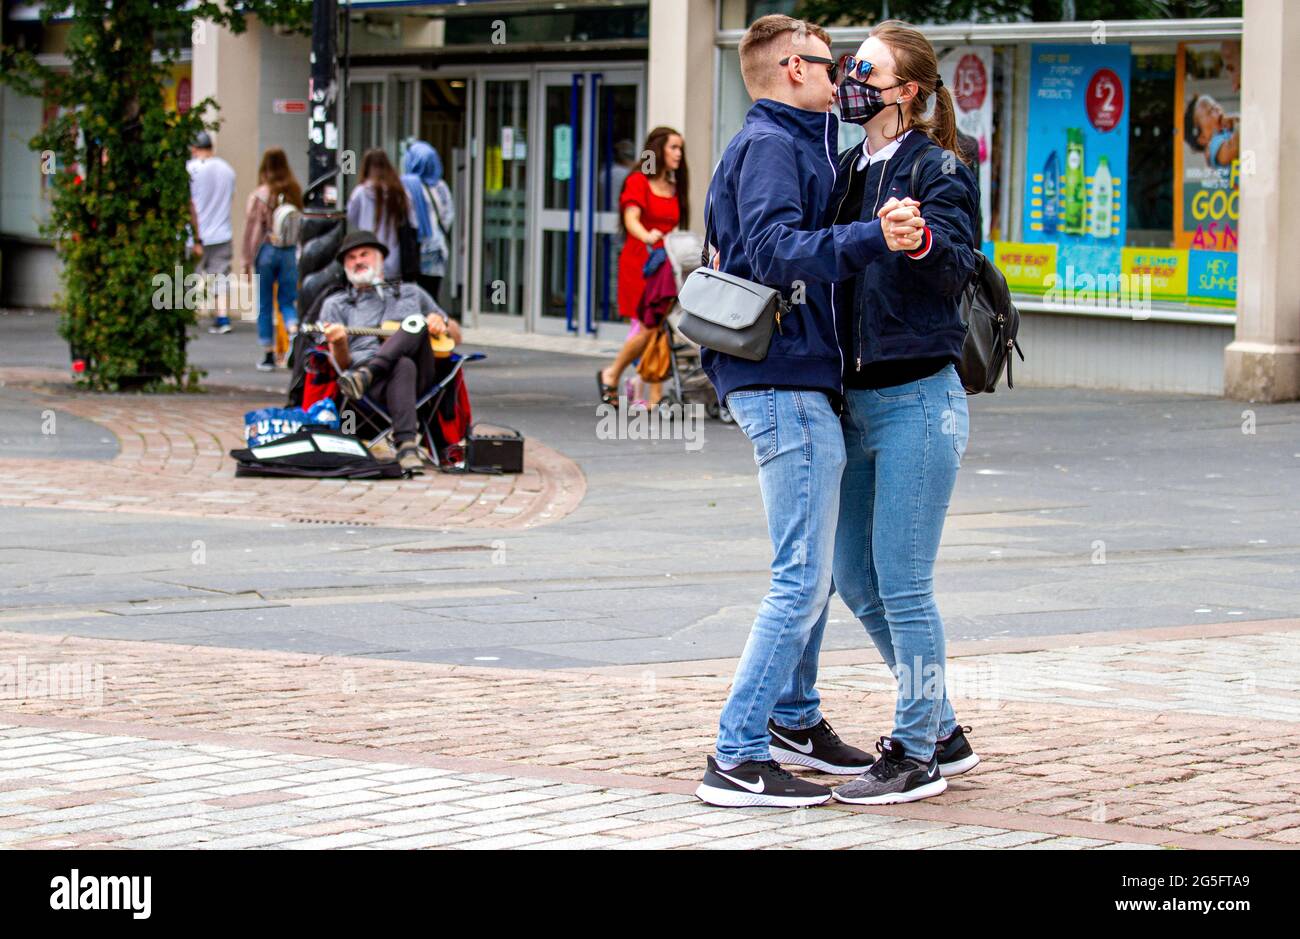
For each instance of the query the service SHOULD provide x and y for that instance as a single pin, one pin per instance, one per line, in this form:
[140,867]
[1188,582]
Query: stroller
[687,382]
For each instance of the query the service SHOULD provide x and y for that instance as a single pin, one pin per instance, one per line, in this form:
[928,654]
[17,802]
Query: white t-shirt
[212,187]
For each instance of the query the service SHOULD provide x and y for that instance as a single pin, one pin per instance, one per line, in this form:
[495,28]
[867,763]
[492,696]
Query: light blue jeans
[799,449]
[276,265]
[904,446]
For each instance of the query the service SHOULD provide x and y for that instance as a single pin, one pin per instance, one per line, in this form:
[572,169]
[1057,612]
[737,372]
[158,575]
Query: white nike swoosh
[804,748]
[752,787]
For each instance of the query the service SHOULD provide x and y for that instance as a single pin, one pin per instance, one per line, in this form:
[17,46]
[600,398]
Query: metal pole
[323,94]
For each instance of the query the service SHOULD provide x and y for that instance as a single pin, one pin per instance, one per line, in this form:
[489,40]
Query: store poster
[1077,157]
[1028,268]
[1207,146]
[967,72]
[1156,273]
[178,89]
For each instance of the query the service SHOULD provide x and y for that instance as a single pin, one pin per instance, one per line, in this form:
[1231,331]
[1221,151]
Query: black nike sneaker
[954,753]
[818,748]
[895,777]
[755,783]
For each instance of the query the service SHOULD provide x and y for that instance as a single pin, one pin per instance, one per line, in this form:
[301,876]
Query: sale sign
[967,71]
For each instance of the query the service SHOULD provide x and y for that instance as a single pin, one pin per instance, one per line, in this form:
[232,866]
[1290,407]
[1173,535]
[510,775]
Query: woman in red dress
[652,204]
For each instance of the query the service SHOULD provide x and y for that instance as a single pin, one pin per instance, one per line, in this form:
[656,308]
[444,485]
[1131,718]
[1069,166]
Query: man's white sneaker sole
[890,798]
[730,798]
[956,768]
[803,759]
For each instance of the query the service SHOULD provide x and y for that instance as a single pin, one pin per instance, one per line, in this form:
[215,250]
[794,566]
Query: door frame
[561,74]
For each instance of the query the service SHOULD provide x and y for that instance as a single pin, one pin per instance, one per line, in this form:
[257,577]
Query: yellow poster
[178,88]
[492,169]
[1207,146]
[1160,274]
[1027,268]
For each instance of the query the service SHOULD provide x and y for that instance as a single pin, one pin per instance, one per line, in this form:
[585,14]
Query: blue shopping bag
[267,424]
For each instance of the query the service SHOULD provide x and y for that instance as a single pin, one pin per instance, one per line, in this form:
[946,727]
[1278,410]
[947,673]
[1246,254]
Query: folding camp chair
[426,408]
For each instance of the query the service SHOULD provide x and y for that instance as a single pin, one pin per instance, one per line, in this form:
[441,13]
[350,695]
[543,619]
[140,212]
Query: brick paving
[174,460]
[171,746]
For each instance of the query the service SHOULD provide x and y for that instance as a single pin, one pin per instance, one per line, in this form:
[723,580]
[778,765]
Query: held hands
[653,236]
[902,224]
[335,333]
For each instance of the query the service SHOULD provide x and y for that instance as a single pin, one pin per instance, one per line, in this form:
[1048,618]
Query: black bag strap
[914,186]
[708,231]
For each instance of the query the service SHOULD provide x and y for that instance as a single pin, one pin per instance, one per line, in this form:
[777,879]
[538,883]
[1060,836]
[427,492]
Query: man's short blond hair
[767,41]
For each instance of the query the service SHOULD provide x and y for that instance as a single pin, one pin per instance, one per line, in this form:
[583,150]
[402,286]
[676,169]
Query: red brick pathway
[174,460]
[1115,774]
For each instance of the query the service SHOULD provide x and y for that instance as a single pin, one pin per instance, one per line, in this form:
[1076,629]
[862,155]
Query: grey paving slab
[666,558]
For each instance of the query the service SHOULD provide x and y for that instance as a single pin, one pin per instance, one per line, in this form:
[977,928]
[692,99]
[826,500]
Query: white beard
[365,278]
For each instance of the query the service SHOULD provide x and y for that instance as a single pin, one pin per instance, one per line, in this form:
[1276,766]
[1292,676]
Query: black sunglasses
[850,66]
[832,66]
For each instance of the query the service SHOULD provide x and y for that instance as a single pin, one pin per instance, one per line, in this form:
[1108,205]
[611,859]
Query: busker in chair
[393,371]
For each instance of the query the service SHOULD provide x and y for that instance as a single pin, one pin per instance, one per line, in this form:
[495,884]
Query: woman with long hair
[905,418]
[380,205]
[276,264]
[653,202]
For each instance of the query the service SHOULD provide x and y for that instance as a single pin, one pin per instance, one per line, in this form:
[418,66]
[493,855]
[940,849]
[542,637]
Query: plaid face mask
[860,102]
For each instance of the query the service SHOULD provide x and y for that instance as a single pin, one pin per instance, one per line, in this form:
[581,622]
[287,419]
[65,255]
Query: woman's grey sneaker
[755,783]
[267,364]
[895,777]
[818,748]
[954,753]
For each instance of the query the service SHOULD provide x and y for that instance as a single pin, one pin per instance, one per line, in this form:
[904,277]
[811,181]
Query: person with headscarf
[435,212]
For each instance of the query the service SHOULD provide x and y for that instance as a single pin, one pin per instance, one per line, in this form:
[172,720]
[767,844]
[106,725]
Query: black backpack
[992,322]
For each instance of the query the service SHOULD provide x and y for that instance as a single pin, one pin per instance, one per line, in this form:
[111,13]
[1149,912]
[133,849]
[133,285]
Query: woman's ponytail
[944,129]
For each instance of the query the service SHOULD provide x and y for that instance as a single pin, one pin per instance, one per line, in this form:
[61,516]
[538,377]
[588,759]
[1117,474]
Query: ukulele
[442,345]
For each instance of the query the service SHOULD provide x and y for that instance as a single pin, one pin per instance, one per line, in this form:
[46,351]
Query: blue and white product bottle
[1102,210]
[1051,194]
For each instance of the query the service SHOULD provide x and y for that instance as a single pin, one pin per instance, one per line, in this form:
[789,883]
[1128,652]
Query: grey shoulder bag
[727,313]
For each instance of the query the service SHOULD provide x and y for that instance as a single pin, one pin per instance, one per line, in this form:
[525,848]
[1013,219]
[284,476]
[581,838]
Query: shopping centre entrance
[535,156]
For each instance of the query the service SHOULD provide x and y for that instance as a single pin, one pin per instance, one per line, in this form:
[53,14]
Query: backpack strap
[708,230]
[437,214]
[914,186]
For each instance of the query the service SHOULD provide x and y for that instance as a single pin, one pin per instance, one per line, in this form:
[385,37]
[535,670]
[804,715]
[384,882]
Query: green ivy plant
[114,158]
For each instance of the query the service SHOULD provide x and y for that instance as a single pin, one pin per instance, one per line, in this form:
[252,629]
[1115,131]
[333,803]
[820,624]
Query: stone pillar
[680,85]
[1263,363]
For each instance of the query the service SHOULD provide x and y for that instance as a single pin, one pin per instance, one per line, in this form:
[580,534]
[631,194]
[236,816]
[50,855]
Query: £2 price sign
[1105,100]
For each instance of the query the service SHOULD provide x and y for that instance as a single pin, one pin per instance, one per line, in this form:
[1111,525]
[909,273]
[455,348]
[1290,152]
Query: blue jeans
[904,446]
[275,266]
[799,449]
